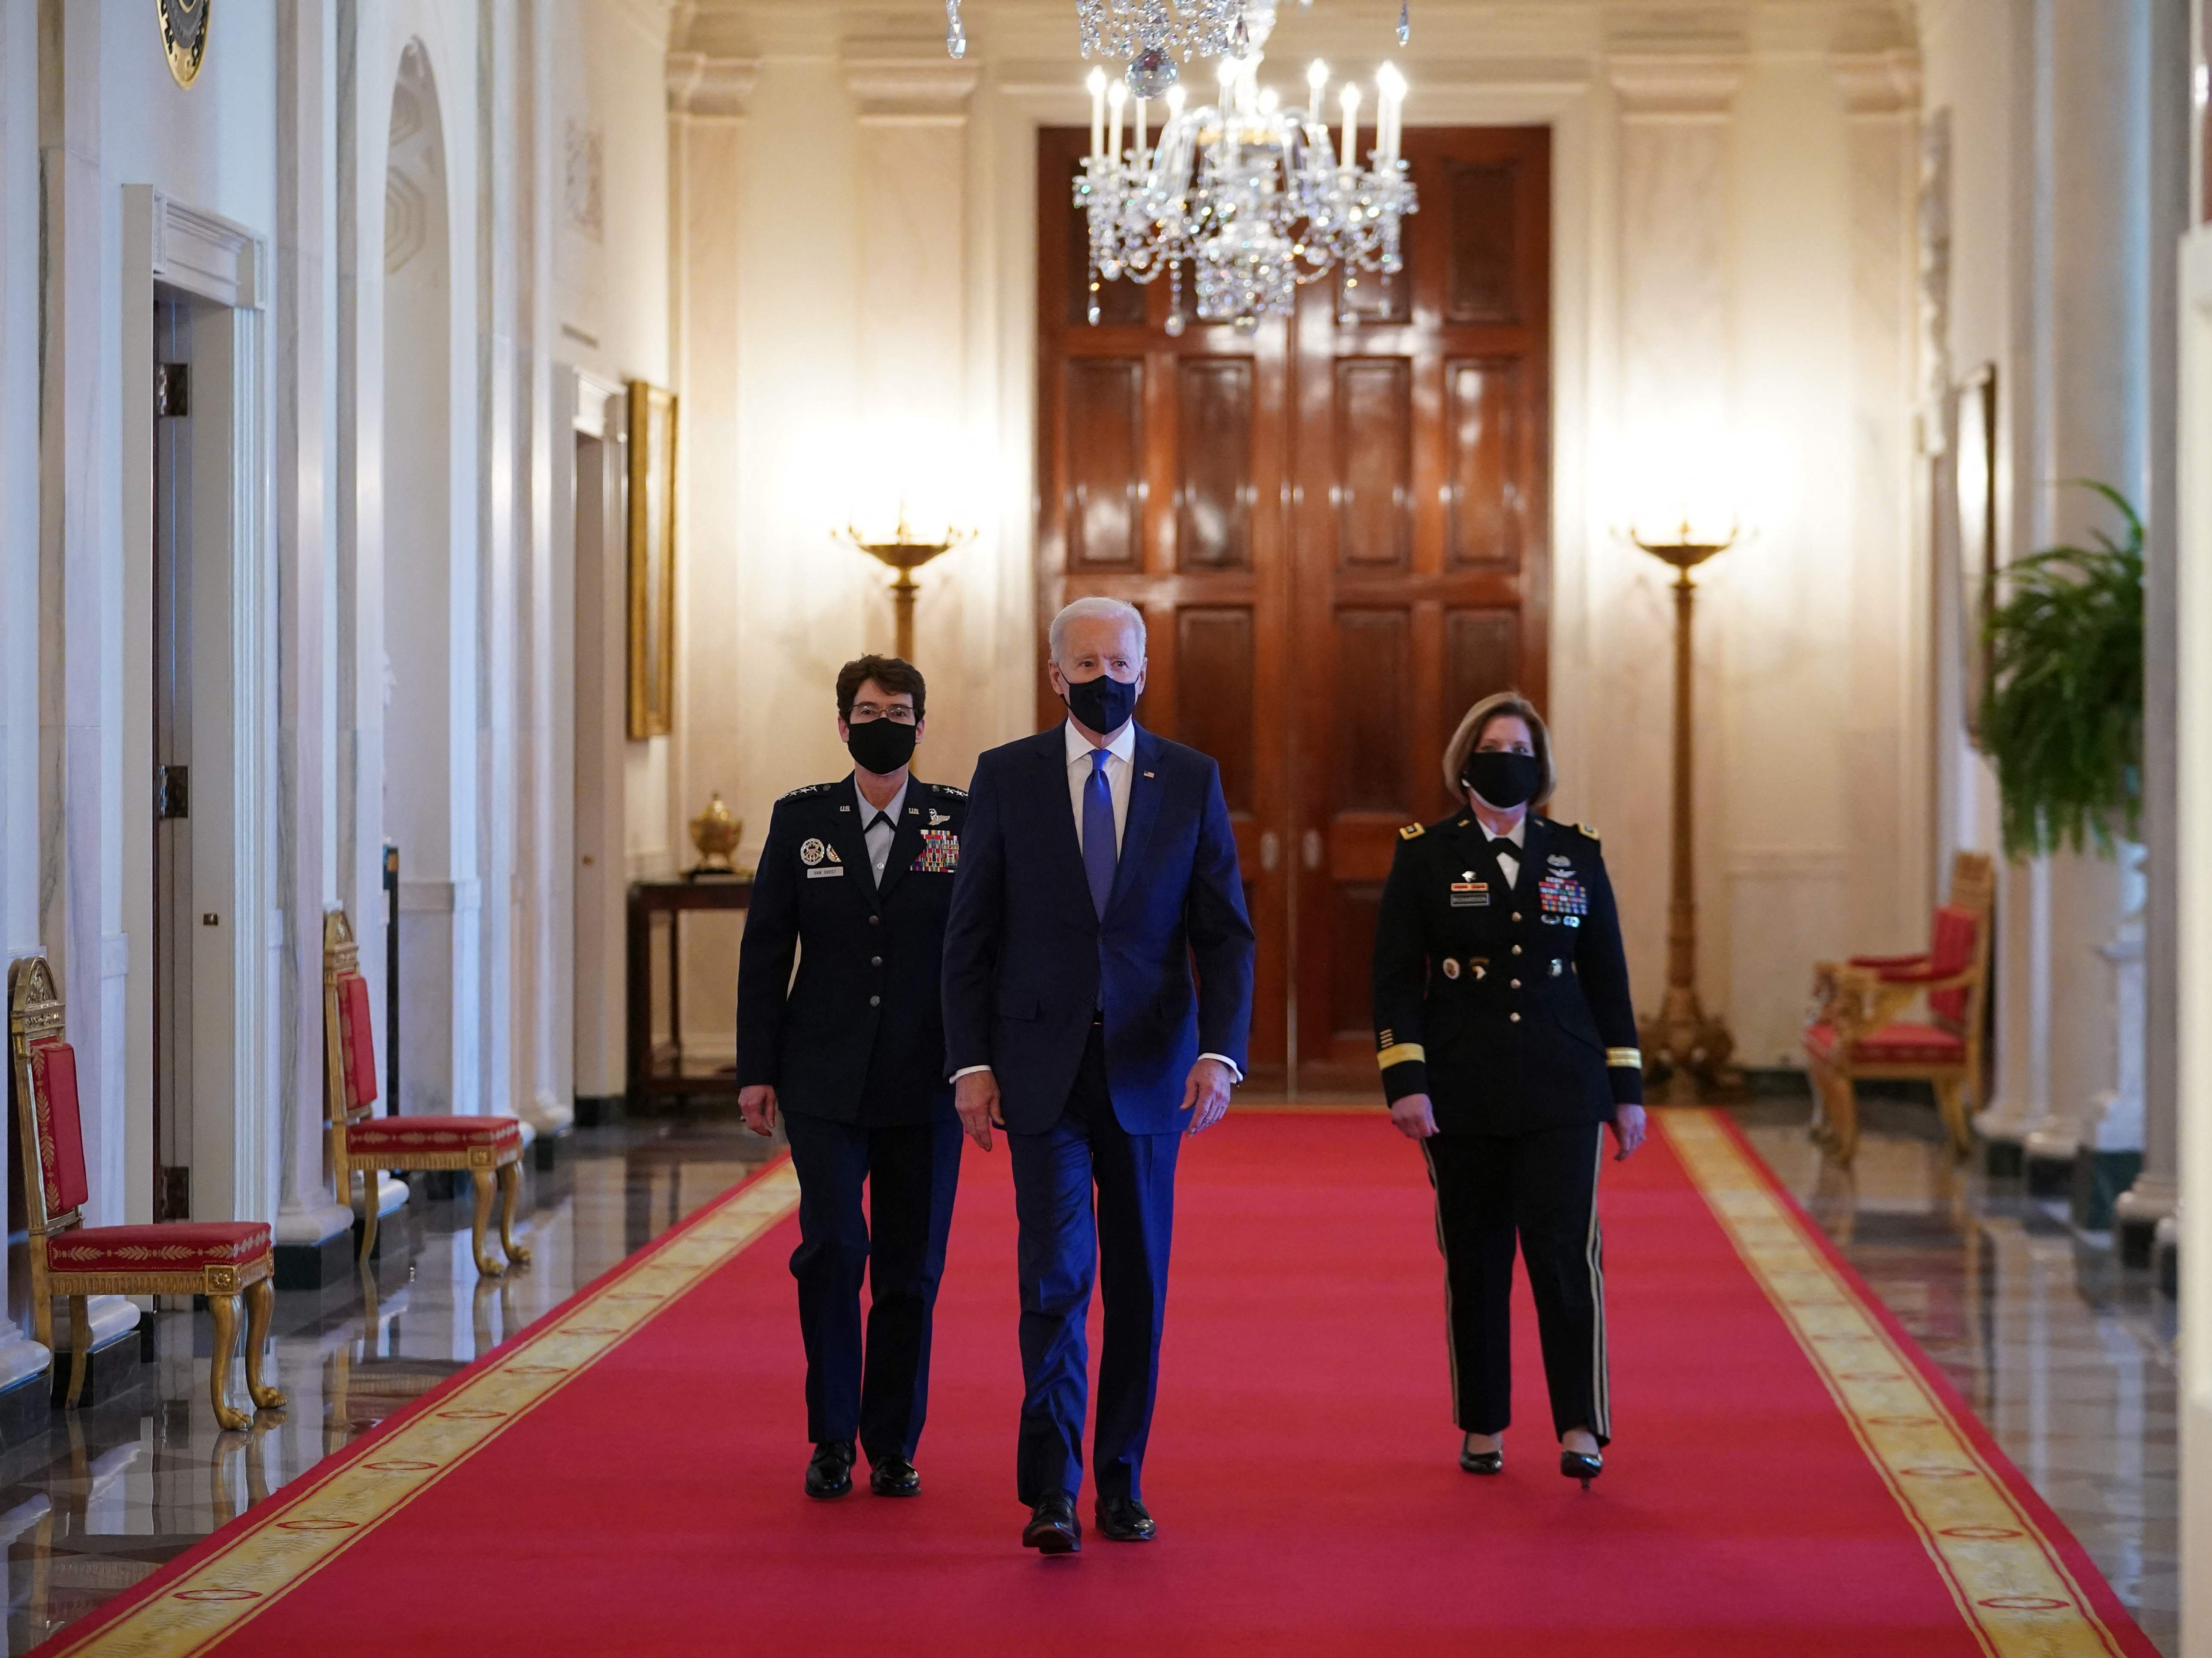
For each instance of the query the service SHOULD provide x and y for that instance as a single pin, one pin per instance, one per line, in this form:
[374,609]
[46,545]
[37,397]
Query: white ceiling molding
[1877,83]
[709,86]
[1676,86]
[908,83]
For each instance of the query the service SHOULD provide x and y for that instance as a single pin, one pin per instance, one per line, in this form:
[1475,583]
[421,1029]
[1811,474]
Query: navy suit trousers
[1064,1243]
[912,1171]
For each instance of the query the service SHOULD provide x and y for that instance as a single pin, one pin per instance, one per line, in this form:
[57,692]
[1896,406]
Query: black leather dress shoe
[829,1470]
[1481,1461]
[894,1477]
[1053,1528]
[1123,1520]
[1576,1466]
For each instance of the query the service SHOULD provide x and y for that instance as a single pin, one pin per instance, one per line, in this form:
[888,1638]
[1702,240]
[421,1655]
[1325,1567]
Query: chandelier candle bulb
[1316,86]
[1097,84]
[1117,96]
[1351,101]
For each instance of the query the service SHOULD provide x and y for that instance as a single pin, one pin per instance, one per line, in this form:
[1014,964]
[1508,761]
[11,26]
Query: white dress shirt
[879,837]
[1518,835]
[1120,767]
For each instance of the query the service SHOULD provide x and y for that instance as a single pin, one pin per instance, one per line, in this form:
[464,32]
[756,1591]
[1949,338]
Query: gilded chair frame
[36,1014]
[485,1165]
[1857,999]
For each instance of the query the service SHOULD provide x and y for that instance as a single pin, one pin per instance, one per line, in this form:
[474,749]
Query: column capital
[700,83]
[1877,83]
[908,83]
[1675,86]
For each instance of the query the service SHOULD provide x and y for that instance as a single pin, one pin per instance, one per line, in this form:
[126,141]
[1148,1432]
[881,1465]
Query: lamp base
[1688,1052]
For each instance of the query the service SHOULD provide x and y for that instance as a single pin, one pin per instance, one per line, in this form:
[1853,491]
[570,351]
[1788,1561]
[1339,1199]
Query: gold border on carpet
[2008,1582]
[217,1598]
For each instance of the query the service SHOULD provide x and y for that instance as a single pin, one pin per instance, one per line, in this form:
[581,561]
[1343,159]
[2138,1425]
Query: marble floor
[2068,1359]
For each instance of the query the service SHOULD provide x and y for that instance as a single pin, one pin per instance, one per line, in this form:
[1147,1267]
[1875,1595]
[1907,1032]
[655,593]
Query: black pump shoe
[1575,1466]
[1481,1461]
[829,1470]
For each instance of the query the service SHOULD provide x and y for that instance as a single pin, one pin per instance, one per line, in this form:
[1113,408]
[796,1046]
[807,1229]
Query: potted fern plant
[2062,720]
[2062,706]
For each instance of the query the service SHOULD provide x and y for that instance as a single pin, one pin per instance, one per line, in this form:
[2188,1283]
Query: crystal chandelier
[1256,199]
[1151,34]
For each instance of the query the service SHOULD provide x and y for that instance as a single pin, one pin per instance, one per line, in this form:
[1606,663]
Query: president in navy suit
[1098,870]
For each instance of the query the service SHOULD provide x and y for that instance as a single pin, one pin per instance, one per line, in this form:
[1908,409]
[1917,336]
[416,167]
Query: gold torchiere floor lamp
[1686,1049]
[906,552]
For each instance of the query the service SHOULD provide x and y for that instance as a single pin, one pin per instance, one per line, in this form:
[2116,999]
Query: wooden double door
[1338,531]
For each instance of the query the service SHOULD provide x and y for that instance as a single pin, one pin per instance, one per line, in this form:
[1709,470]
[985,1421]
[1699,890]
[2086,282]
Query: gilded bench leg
[223,1309]
[260,1305]
[487,1263]
[80,1347]
[510,1193]
[369,1207]
[1951,1104]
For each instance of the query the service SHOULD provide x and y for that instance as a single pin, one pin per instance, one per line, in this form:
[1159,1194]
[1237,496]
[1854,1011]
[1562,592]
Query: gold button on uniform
[1516,916]
[878,1001]
[875,961]
[1516,1017]
[1516,948]
[1517,984]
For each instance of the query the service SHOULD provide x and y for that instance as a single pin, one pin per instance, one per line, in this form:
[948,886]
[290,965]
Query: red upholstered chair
[1856,1030]
[221,1260]
[487,1147]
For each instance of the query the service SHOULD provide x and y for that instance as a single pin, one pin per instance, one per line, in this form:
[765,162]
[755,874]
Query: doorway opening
[1338,528]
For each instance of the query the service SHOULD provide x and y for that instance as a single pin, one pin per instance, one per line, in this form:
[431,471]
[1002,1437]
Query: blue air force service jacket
[859,1036]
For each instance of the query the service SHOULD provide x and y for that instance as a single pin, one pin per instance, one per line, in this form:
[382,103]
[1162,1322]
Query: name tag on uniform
[827,869]
[1470,894]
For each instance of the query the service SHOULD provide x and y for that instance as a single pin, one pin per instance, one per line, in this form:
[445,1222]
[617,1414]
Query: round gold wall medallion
[185,35]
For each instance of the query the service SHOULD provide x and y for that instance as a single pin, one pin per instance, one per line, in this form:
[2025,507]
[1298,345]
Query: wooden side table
[656,1068]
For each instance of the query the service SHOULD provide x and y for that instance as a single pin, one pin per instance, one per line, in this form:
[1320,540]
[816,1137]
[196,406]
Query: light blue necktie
[1099,853]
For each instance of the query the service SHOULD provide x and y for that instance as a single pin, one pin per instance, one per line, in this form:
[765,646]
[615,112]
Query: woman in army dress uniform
[1507,1042]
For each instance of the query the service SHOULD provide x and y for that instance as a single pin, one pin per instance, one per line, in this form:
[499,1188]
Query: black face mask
[1504,779]
[881,746]
[1104,704]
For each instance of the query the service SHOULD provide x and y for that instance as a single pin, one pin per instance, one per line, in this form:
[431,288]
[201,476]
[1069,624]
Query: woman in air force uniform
[1507,1042]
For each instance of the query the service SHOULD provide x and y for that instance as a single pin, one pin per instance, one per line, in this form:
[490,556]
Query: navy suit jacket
[1027,960]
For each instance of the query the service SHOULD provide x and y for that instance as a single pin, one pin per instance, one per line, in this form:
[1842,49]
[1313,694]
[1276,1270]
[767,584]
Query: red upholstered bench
[1855,1030]
[489,1148]
[221,1260]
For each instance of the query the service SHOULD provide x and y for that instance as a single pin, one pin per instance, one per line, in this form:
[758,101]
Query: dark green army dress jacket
[1508,1006]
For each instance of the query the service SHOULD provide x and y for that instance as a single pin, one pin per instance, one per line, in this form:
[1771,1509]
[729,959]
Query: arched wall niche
[424,664]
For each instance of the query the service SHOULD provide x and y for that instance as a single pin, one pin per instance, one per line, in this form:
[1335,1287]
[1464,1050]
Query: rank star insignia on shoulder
[948,791]
[810,788]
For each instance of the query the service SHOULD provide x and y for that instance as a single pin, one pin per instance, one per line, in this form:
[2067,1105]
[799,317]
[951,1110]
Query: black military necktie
[882,817]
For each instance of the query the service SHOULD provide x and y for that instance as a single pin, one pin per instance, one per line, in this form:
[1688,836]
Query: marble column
[2167,113]
[21,621]
[2092,357]
[309,1214]
[913,219]
[707,97]
[1674,431]
[1886,757]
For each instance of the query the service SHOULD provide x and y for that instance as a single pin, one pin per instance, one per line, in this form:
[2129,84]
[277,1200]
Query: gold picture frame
[652,560]
[1974,473]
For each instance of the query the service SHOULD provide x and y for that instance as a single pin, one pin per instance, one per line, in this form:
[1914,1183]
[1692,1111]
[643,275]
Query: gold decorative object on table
[716,833]
[1686,1048]
[907,552]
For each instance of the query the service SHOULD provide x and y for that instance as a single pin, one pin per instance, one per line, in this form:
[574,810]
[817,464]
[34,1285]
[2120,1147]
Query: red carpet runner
[1789,1478]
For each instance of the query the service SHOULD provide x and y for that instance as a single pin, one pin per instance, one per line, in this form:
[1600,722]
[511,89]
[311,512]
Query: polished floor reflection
[2067,1358]
[110,1493]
